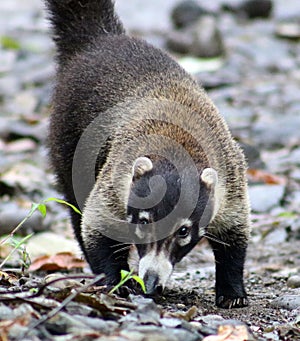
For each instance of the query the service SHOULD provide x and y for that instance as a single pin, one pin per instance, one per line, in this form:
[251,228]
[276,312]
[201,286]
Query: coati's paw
[229,303]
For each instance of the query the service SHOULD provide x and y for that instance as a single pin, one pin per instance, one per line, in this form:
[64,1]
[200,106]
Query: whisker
[117,220]
[122,249]
[120,244]
[214,239]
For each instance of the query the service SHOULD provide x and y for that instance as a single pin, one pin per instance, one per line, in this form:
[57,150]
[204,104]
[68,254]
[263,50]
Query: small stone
[251,8]
[277,236]
[21,146]
[288,302]
[25,102]
[170,322]
[180,306]
[293,282]
[105,327]
[282,132]
[252,155]
[264,197]
[288,30]
[6,313]
[186,13]
[203,39]
[257,8]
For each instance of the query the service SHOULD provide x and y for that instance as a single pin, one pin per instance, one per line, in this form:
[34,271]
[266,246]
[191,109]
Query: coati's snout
[155,269]
[152,284]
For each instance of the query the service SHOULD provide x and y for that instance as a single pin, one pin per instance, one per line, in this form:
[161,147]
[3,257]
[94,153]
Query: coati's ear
[210,177]
[141,166]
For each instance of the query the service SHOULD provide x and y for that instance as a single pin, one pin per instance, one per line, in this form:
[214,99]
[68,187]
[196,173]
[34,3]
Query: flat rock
[186,13]
[50,243]
[264,197]
[280,132]
[288,30]
[277,236]
[288,302]
[203,39]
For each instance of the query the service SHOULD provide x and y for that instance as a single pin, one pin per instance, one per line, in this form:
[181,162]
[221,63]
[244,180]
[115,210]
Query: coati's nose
[151,280]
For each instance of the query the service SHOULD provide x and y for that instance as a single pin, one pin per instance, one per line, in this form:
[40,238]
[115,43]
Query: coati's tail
[76,23]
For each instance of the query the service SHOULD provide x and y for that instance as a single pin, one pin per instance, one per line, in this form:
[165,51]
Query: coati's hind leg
[230,258]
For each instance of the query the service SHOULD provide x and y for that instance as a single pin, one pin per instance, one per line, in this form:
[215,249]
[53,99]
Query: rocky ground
[253,76]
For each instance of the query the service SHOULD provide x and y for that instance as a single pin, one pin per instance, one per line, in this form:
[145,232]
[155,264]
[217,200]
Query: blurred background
[245,53]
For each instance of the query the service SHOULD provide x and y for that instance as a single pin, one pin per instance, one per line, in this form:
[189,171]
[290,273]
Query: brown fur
[136,91]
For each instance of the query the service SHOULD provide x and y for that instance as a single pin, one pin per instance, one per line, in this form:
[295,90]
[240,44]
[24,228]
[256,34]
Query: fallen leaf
[230,333]
[187,316]
[258,175]
[8,278]
[62,260]
[106,304]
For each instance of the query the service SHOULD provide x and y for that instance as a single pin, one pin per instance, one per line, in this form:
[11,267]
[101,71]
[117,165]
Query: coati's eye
[183,232]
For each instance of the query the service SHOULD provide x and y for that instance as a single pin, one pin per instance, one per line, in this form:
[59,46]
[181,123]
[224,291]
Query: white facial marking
[201,232]
[139,232]
[129,218]
[144,215]
[158,263]
[184,241]
[185,222]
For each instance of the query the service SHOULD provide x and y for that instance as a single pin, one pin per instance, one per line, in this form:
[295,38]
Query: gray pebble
[170,322]
[141,333]
[277,236]
[293,282]
[282,131]
[264,197]
[106,327]
[6,313]
[288,30]
[186,13]
[288,302]
[64,323]
[212,320]
[203,39]
[252,155]
[18,332]
[251,8]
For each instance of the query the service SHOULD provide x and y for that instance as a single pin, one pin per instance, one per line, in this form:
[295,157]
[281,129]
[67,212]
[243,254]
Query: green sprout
[18,244]
[126,276]
[9,43]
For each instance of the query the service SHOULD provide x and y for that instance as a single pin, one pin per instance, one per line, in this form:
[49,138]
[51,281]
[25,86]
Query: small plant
[126,276]
[9,43]
[18,244]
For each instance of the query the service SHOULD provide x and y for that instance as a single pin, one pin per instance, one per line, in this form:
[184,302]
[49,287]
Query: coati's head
[173,218]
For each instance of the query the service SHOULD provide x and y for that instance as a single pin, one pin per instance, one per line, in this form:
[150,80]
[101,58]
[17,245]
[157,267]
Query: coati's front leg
[107,256]
[230,258]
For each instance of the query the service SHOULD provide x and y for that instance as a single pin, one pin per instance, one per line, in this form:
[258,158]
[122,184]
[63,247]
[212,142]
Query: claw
[229,303]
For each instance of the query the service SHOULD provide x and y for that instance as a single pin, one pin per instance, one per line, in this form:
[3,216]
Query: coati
[137,143]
